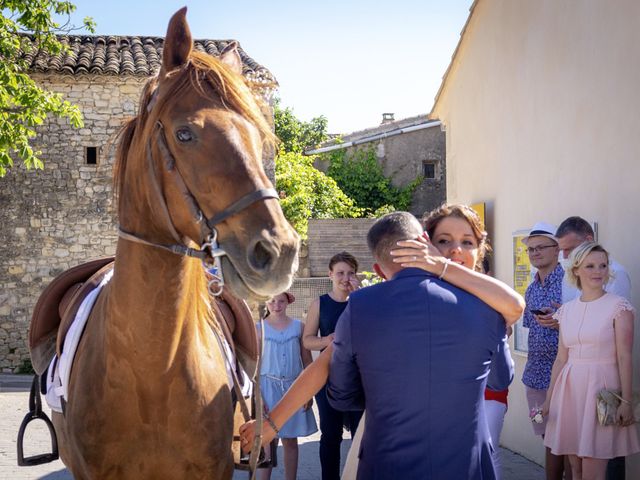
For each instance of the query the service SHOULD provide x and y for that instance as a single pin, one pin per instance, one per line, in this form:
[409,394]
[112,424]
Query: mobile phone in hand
[538,312]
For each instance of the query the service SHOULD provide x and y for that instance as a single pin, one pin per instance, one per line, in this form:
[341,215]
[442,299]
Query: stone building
[64,215]
[405,149]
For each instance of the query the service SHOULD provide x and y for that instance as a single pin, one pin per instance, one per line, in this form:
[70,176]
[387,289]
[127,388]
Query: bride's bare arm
[420,253]
[303,389]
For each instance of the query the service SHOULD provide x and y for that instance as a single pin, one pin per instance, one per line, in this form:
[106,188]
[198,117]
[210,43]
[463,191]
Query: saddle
[58,304]
[47,320]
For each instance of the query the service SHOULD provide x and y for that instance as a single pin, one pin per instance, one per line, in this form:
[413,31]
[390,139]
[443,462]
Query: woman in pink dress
[594,352]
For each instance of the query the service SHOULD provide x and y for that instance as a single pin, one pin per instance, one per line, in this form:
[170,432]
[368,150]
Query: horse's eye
[184,135]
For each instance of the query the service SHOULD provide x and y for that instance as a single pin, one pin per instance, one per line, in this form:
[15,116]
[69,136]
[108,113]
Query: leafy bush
[296,135]
[353,187]
[306,192]
[360,176]
[370,278]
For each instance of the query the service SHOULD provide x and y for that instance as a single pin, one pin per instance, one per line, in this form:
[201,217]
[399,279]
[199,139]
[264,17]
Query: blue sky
[347,60]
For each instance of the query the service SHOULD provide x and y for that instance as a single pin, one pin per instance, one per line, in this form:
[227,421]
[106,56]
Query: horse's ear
[231,58]
[177,44]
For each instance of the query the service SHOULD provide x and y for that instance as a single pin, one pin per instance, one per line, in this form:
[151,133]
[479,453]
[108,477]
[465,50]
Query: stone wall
[63,215]
[330,236]
[326,238]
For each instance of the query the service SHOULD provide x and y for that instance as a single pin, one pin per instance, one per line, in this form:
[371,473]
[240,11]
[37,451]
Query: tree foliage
[361,177]
[23,104]
[296,135]
[305,192]
[354,186]
[308,193]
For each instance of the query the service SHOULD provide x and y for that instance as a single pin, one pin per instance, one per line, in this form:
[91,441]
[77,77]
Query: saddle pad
[60,368]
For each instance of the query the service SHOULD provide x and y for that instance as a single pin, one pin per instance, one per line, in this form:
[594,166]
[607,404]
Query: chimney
[387,118]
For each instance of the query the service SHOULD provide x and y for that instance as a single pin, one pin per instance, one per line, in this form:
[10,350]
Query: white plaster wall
[541,108]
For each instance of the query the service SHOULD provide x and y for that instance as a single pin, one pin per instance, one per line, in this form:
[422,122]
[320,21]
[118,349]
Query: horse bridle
[210,251]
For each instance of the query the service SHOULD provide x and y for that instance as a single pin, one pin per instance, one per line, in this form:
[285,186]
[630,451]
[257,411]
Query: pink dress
[586,329]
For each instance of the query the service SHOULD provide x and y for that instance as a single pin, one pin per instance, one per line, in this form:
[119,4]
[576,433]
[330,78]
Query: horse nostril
[261,258]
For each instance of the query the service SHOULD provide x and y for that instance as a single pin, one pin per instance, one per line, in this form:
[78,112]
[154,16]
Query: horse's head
[194,151]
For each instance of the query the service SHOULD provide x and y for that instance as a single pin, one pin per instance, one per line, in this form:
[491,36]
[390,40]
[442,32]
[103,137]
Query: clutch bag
[607,403]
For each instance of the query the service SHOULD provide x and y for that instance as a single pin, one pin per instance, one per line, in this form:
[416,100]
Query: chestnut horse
[148,393]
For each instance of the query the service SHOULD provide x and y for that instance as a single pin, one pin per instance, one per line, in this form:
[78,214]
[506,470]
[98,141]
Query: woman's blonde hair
[578,256]
[431,220]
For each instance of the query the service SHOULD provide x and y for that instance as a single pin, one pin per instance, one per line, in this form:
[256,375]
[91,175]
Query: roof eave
[432,114]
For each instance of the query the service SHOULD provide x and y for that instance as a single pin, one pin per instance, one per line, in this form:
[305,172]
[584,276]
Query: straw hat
[541,229]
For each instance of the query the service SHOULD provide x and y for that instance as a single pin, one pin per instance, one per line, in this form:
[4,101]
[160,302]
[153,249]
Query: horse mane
[125,135]
[234,90]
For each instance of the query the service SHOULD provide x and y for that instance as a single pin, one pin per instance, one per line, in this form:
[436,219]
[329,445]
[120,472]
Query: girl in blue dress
[283,359]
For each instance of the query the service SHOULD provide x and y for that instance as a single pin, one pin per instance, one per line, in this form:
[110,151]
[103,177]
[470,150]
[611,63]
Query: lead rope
[257,398]
[244,408]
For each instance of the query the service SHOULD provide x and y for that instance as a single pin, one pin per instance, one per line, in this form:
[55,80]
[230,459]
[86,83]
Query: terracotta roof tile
[128,55]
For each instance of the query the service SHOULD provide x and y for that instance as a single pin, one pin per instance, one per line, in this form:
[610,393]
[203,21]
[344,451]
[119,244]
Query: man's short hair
[390,229]
[577,225]
[345,257]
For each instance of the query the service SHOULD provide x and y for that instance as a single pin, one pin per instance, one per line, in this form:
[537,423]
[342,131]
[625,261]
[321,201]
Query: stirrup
[35,412]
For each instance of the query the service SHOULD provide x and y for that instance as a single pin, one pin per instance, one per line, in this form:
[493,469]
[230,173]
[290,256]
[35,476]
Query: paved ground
[14,395]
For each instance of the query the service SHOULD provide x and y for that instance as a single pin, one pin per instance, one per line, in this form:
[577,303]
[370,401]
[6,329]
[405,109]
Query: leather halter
[210,251]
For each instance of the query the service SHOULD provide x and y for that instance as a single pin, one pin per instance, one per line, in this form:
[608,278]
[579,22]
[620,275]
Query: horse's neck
[157,300]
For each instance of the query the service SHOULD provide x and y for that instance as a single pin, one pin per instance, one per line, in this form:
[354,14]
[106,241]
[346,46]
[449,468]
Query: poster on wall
[480,209]
[521,280]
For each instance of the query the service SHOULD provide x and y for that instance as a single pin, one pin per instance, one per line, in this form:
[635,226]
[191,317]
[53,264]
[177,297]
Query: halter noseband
[210,251]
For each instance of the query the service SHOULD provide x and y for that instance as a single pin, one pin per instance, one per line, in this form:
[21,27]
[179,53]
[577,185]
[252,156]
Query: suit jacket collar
[412,272]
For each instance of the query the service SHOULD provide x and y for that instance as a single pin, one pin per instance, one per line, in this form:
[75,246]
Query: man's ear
[589,238]
[378,270]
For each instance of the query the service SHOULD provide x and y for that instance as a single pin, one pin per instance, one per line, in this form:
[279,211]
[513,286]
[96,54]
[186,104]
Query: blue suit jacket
[416,351]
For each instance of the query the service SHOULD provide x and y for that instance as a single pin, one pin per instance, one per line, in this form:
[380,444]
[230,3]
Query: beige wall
[541,109]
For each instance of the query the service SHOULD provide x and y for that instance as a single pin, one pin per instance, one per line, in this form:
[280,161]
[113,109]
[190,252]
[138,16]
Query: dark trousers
[331,424]
[615,469]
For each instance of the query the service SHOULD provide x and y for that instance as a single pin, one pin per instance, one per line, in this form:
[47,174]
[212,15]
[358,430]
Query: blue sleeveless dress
[281,365]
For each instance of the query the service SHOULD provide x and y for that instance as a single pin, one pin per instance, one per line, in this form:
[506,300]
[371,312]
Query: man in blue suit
[416,352]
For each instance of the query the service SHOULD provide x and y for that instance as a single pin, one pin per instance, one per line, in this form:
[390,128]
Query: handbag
[607,403]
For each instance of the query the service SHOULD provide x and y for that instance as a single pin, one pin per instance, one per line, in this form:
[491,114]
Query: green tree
[305,192]
[361,177]
[23,104]
[296,135]
[308,193]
